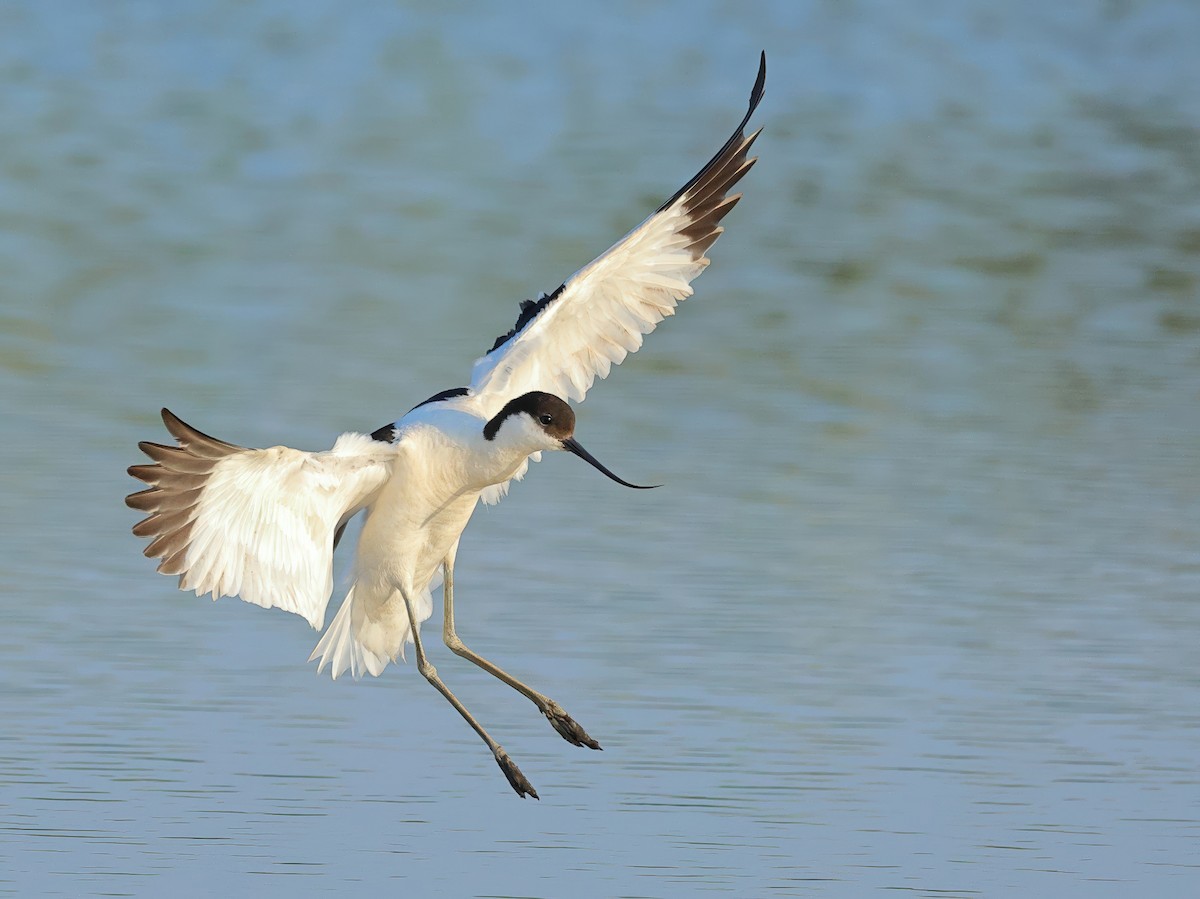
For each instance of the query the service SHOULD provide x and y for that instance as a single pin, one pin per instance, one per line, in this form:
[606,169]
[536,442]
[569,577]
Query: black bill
[571,445]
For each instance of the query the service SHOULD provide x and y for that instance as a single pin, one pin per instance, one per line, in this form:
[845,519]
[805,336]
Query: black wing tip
[760,83]
[736,140]
[756,94]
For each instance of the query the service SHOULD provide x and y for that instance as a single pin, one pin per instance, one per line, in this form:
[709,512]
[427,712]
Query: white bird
[263,524]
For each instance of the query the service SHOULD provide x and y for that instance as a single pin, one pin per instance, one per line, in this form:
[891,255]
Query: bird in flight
[263,524]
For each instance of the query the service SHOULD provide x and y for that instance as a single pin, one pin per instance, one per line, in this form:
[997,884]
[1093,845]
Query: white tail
[365,636]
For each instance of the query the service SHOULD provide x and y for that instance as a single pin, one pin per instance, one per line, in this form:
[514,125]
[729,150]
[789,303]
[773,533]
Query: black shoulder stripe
[387,434]
[444,395]
[529,311]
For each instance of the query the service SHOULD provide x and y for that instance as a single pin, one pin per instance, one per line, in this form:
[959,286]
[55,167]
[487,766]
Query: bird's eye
[546,418]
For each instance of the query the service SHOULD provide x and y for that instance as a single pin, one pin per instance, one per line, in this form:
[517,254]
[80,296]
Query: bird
[263,524]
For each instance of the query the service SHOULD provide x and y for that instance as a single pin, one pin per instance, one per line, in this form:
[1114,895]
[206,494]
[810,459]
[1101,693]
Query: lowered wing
[254,523]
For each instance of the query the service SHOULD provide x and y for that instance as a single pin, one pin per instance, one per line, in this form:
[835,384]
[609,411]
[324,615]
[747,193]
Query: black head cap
[555,417]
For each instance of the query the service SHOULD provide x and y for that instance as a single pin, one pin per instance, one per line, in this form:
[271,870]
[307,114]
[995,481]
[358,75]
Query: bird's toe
[567,727]
[516,779]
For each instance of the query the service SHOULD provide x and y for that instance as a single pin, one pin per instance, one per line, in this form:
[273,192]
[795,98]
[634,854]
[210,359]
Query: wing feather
[567,339]
[254,523]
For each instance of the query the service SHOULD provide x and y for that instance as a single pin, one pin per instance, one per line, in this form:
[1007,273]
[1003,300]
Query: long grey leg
[507,765]
[566,726]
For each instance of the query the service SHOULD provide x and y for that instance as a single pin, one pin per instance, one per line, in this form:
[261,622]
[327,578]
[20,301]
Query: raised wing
[255,523]
[562,342]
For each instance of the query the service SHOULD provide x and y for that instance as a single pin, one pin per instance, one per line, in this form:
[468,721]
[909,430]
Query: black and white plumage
[262,524]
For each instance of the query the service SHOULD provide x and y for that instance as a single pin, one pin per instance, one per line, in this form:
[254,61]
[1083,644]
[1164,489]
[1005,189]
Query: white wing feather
[255,523]
[599,317]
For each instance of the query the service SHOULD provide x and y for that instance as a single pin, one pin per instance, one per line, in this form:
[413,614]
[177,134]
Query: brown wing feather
[176,478]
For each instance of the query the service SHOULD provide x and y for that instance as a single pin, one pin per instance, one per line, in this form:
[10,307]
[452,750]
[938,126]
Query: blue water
[918,608]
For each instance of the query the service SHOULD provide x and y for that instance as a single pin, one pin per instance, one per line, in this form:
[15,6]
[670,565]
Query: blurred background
[917,607]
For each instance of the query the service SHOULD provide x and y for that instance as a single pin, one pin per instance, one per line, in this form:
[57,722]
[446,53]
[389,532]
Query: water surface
[917,609]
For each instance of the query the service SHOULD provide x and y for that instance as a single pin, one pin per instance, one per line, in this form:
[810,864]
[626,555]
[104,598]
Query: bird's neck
[494,461]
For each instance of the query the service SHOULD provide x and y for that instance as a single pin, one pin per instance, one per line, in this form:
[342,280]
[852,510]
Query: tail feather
[365,636]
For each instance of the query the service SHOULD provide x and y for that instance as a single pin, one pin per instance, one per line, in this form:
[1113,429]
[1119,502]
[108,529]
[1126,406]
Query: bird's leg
[515,778]
[566,726]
